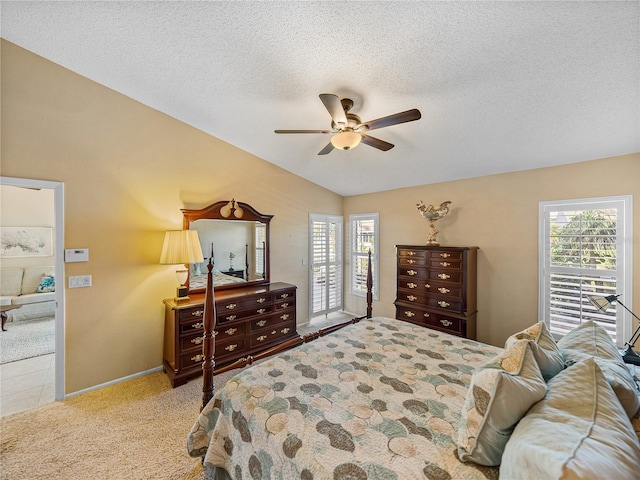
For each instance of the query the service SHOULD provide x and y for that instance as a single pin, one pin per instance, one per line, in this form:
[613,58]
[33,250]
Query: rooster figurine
[432,214]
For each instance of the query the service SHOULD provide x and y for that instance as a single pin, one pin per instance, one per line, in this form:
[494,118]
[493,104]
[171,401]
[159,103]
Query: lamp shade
[346,140]
[181,247]
[601,303]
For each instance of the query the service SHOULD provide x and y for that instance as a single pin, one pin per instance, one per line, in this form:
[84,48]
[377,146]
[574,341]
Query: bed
[383,399]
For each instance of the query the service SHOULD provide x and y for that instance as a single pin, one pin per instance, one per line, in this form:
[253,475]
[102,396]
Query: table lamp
[181,247]
[601,303]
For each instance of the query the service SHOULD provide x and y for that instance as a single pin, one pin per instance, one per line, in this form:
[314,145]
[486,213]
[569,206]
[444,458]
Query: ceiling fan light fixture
[346,140]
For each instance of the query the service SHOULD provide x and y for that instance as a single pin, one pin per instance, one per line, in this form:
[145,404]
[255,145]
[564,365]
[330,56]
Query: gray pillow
[578,431]
[544,349]
[500,393]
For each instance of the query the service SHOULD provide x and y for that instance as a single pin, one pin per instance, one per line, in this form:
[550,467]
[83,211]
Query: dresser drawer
[229,347]
[411,253]
[448,304]
[191,325]
[188,314]
[272,334]
[284,295]
[445,276]
[226,317]
[413,272]
[446,255]
[451,325]
[445,264]
[411,262]
[233,305]
[416,297]
[192,341]
[230,331]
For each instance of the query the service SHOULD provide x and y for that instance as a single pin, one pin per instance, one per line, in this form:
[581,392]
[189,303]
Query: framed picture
[26,242]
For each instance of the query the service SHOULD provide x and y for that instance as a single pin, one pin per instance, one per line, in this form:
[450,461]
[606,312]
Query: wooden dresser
[248,320]
[437,288]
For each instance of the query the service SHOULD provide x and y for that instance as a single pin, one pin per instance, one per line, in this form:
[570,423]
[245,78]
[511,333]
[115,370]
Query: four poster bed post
[208,346]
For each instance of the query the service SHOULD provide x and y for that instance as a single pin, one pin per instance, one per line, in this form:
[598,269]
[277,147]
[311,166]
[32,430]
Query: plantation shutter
[584,255]
[364,238]
[326,264]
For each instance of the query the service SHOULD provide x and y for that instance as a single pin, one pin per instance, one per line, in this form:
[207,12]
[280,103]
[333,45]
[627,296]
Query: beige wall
[499,214]
[24,207]
[127,171]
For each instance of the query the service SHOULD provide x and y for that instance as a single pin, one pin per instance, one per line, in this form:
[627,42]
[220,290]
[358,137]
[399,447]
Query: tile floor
[26,384]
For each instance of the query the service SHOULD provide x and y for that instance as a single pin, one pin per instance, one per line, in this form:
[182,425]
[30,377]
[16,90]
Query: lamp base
[630,356]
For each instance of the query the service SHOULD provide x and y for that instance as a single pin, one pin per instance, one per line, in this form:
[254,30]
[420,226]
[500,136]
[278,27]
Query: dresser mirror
[236,236]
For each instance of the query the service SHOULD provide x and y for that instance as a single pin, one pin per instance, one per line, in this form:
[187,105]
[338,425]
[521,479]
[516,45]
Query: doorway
[57,190]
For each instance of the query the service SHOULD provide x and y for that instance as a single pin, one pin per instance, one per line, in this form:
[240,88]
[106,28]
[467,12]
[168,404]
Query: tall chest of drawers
[248,320]
[436,288]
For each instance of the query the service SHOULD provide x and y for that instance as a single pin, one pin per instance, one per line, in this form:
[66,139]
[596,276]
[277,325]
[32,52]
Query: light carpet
[136,429]
[26,339]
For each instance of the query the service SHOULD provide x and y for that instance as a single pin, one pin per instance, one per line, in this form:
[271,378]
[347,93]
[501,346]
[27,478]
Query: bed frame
[208,346]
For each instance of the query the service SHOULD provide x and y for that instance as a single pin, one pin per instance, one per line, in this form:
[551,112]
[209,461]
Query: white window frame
[624,251]
[355,255]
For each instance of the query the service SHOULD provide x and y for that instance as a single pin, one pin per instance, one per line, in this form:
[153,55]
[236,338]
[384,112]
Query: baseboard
[113,382]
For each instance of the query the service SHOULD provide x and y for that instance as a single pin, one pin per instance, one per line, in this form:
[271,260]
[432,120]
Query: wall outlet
[80,281]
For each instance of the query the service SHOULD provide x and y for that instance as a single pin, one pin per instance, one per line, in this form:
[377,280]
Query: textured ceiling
[502,86]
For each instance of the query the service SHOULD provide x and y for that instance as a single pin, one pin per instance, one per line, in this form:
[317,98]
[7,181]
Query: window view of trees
[583,262]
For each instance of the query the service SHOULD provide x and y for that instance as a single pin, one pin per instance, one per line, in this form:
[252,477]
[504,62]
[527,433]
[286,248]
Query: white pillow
[544,349]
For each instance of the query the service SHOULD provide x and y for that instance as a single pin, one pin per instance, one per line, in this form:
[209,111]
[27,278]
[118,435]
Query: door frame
[58,233]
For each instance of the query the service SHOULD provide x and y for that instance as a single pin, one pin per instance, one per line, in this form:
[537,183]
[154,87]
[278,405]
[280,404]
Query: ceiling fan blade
[326,149]
[376,143]
[303,131]
[334,107]
[396,118]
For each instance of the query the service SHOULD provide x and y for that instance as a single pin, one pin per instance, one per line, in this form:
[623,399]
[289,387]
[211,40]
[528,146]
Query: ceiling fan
[348,131]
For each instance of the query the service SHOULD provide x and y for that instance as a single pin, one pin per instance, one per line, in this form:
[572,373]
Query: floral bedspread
[380,399]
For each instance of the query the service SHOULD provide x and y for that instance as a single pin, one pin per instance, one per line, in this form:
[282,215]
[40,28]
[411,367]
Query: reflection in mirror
[237,238]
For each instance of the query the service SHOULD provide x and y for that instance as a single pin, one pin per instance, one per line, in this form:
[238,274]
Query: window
[364,238]
[585,249]
[325,234]
[261,246]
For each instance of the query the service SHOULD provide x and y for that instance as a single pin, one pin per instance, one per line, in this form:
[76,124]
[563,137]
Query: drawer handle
[231,331]
[262,323]
[444,276]
[443,290]
[198,358]
[273,332]
[444,304]
[261,300]
[411,261]
[284,305]
[427,285]
[196,341]
[409,314]
[262,338]
[412,298]
[197,325]
[412,285]
[446,323]
[445,264]
[231,306]
[426,315]
[197,313]
[284,317]
[412,272]
[284,295]
[445,255]
[285,330]
[261,310]
[411,253]
[230,317]
[231,348]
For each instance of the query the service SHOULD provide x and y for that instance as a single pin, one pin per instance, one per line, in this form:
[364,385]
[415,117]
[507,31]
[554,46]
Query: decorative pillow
[544,349]
[579,430]
[592,339]
[618,376]
[500,393]
[47,284]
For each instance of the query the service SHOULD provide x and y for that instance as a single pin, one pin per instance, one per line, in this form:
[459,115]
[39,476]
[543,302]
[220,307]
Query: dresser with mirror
[252,313]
